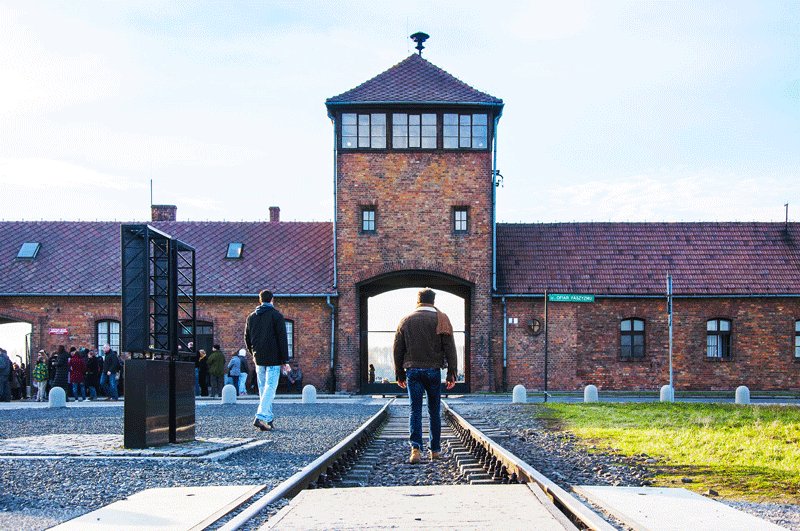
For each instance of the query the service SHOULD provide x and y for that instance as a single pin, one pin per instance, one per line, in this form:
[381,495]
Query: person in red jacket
[77,373]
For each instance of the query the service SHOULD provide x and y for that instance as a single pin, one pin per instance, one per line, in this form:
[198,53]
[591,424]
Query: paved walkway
[110,446]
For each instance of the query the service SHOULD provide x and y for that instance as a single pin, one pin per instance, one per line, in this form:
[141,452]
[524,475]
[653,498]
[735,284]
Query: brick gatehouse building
[415,206]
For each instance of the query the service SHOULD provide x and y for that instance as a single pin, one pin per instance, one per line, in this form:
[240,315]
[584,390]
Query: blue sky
[622,111]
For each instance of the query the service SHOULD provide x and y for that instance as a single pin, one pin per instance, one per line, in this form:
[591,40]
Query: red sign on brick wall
[58,331]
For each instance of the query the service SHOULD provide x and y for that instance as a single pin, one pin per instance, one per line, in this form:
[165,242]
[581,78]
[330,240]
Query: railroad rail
[499,466]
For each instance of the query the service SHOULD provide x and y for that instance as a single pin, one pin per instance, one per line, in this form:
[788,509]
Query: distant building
[415,206]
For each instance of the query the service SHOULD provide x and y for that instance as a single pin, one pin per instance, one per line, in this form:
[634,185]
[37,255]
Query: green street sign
[570,297]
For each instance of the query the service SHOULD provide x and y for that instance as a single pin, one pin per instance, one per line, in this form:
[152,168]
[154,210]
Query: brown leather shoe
[263,426]
[435,455]
[415,457]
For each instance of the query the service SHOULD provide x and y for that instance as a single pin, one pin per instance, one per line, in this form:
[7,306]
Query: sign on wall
[570,297]
[58,331]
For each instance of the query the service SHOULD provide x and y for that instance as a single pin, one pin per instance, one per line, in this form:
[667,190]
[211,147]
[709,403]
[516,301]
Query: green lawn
[745,452]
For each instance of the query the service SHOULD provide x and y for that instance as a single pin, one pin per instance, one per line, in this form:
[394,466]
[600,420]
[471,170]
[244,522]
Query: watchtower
[415,182]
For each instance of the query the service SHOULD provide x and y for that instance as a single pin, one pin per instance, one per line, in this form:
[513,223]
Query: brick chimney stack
[164,212]
[274,214]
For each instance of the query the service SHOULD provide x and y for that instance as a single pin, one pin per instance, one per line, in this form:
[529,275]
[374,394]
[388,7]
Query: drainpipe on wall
[505,345]
[494,214]
[335,198]
[333,328]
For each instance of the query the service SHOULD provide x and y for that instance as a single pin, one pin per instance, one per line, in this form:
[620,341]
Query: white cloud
[660,197]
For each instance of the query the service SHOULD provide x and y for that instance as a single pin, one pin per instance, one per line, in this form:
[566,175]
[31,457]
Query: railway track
[476,455]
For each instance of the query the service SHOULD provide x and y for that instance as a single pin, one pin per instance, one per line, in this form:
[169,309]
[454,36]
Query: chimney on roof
[274,214]
[163,212]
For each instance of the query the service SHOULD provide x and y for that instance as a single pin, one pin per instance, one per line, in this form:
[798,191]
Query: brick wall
[584,344]
[414,194]
[79,315]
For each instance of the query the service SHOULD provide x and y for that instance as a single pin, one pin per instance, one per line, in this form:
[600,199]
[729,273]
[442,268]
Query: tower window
[718,338]
[465,131]
[631,338]
[368,219]
[460,220]
[363,130]
[413,131]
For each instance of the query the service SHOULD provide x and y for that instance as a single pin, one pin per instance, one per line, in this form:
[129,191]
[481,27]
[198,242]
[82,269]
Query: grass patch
[744,452]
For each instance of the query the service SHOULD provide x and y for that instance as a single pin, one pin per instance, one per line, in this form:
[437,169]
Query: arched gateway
[395,294]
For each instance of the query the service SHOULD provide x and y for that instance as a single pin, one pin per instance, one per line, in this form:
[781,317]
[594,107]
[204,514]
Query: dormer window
[363,131]
[235,250]
[465,131]
[28,250]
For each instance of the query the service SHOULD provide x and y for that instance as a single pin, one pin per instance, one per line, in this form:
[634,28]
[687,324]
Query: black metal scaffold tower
[158,329]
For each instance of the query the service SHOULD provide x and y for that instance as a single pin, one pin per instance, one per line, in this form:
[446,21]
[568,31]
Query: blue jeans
[75,388]
[197,381]
[268,377]
[428,381]
[109,384]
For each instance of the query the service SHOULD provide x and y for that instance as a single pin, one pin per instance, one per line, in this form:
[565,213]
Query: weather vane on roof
[419,38]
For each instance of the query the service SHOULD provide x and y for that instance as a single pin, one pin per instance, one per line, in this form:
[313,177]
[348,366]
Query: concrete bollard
[590,393]
[309,394]
[229,393]
[742,395]
[57,397]
[667,394]
[519,395]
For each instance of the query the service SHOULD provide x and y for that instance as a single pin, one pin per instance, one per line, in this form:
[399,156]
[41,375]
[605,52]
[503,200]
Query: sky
[614,111]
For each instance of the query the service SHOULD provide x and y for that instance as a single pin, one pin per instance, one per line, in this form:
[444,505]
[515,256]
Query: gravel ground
[565,460]
[40,493]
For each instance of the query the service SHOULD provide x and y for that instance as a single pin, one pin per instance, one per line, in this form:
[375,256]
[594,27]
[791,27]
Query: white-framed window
[414,131]
[460,220]
[368,219]
[631,338]
[290,337]
[797,339]
[718,338]
[108,332]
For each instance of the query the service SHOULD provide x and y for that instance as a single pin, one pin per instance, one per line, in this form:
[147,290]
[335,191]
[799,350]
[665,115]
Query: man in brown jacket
[423,345]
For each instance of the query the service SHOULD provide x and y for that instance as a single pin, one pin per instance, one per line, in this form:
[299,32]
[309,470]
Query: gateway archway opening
[385,301]
[15,337]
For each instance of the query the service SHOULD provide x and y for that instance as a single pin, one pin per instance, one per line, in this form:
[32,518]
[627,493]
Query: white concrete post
[667,394]
[229,393]
[742,395]
[57,397]
[309,394]
[519,395]
[590,393]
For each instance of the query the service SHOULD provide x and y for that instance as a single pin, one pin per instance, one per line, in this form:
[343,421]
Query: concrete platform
[179,508]
[463,507]
[665,509]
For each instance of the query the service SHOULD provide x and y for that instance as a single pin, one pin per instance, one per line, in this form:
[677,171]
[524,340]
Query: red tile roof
[635,258]
[414,80]
[84,257]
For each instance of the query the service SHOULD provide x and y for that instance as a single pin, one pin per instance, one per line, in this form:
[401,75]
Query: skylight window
[28,250]
[235,250]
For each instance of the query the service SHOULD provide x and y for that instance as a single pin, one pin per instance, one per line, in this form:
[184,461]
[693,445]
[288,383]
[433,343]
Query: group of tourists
[80,372]
[212,373]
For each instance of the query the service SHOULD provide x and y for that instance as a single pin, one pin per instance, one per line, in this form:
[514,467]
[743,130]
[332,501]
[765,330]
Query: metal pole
[505,344]
[546,331]
[669,316]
